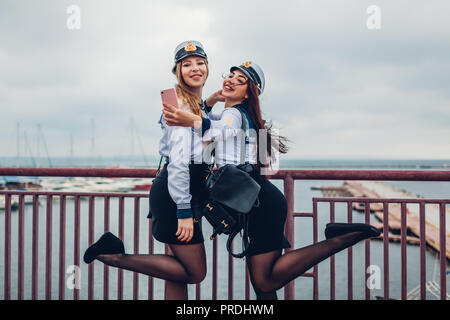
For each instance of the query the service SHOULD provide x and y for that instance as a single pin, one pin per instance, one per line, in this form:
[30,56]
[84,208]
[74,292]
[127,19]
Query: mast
[71,150]
[141,147]
[38,144]
[18,146]
[92,141]
[44,141]
[132,141]
[29,149]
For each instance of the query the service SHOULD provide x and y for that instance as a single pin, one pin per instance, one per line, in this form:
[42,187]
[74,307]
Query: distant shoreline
[152,162]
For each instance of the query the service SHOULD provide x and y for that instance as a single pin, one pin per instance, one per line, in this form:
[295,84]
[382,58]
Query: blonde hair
[184,91]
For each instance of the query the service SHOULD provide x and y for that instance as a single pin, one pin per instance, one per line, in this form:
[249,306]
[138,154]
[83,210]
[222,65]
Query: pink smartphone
[169,96]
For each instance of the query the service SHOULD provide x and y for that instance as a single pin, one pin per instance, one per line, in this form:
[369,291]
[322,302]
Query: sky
[335,86]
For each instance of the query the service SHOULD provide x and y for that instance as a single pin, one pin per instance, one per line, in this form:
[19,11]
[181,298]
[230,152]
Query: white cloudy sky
[334,87]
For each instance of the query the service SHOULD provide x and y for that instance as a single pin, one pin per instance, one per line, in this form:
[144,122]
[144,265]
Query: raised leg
[188,264]
[271,271]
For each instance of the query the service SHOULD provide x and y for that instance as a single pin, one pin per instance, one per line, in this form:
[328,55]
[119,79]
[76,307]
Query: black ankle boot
[336,229]
[107,244]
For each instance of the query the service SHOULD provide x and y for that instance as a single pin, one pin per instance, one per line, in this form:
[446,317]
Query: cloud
[334,87]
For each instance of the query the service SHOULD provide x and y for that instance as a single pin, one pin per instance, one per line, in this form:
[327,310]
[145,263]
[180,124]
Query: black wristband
[207,108]
[206,124]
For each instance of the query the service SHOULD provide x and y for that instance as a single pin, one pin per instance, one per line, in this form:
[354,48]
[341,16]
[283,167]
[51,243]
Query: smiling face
[194,71]
[234,87]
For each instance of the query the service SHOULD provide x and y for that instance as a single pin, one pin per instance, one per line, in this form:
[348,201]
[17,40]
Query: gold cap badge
[190,47]
[247,64]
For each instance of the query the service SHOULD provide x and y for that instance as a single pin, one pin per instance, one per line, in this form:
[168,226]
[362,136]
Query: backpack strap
[245,240]
[159,166]
[246,139]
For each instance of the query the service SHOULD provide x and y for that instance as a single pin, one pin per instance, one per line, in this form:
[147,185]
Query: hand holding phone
[169,96]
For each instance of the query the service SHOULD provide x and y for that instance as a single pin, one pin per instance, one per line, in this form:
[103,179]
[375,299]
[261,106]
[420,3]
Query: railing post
[404,291]
[7,247]
[35,249]
[76,257]
[62,246]
[332,260]
[231,275]
[423,273]
[386,248]
[367,249]
[443,251]
[105,267]
[214,271]
[350,255]
[136,247]
[121,236]
[315,240]
[21,247]
[289,228]
[150,251]
[48,250]
[91,241]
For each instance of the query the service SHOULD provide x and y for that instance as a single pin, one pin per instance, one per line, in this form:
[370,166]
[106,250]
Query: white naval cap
[188,48]
[253,72]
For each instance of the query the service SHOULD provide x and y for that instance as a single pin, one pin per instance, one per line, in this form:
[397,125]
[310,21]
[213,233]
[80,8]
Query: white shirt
[226,136]
[181,146]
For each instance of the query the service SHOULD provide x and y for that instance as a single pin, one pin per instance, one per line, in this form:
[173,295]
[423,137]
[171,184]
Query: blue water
[303,237]
[152,161]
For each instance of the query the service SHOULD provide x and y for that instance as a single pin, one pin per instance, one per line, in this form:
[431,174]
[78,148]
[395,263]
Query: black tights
[268,271]
[184,264]
[271,271]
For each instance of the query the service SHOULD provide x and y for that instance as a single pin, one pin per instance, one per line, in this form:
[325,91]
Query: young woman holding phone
[175,191]
[269,268]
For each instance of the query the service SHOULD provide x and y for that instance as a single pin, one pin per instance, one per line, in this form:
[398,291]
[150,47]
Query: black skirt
[266,222]
[163,210]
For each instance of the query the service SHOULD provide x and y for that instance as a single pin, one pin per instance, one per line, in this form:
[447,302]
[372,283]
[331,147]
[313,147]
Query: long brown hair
[184,91]
[274,142]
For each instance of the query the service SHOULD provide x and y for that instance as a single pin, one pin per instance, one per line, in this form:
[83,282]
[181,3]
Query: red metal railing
[287,175]
[403,202]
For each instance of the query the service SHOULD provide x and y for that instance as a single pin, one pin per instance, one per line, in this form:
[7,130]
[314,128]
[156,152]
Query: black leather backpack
[232,193]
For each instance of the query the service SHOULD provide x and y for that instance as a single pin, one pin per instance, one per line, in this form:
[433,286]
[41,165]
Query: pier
[376,189]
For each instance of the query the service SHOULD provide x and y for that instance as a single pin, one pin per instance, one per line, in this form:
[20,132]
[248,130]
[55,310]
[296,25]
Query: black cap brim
[181,54]
[250,73]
